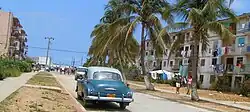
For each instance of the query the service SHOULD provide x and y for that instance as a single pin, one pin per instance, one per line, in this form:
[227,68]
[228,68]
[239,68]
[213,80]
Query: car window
[81,69]
[104,75]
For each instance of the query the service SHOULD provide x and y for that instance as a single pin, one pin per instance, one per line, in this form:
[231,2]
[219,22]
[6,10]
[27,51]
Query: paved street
[142,103]
[11,84]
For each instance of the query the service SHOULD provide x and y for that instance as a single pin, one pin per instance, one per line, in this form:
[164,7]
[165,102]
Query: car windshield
[81,69]
[104,75]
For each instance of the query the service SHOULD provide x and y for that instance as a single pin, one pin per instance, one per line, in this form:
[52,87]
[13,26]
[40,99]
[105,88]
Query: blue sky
[70,22]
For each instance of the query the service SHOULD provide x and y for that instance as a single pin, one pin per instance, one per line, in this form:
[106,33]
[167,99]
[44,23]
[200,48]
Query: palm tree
[202,16]
[109,39]
[144,13]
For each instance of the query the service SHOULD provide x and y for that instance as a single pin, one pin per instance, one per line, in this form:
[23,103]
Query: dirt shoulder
[186,100]
[203,93]
[27,99]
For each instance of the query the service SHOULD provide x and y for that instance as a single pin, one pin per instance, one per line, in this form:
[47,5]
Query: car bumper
[111,99]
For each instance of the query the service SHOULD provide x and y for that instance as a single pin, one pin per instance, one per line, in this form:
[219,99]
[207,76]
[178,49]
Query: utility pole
[74,61]
[81,61]
[48,48]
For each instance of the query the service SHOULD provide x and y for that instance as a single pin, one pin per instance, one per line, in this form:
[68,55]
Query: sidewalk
[11,84]
[227,103]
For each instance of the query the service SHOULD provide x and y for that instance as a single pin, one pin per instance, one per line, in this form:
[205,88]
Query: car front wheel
[122,106]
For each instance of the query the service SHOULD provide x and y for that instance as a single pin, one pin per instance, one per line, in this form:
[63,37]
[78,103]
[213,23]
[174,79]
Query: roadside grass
[186,100]
[7,102]
[44,79]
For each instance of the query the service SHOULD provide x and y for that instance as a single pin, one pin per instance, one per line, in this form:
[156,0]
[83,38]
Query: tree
[144,13]
[109,39]
[202,16]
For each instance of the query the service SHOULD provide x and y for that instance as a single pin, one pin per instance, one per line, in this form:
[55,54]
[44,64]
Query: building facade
[12,36]
[42,60]
[219,59]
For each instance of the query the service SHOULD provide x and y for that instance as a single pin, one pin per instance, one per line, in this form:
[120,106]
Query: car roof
[81,67]
[98,68]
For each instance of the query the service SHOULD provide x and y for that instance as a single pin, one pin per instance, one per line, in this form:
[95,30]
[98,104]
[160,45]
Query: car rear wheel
[122,106]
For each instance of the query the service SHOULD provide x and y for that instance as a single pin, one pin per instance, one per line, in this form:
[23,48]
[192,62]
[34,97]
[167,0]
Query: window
[174,37]
[146,53]
[203,62]
[186,48]
[154,64]
[201,78]
[214,61]
[164,63]
[147,44]
[166,50]
[241,42]
[81,69]
[212,78]
[104,75]
[171,63]
[152,52]
[239,60]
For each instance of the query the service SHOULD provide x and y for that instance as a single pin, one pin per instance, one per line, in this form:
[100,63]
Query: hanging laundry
[219,68]
[185,71]
[181,69]
[241,41]
[188,53]
[236,70]
[226,50]
[219,52]
[183,53]
[248,48]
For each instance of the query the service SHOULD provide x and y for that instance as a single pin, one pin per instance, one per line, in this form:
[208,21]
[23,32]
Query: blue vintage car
[103,84]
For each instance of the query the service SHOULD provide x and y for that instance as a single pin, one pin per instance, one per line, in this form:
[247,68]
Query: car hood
[102,85]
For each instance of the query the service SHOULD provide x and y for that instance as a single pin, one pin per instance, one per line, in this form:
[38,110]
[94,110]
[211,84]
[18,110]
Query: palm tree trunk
[194,93]
[148,84]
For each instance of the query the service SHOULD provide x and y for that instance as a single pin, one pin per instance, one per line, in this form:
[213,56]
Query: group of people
[67,70]
[182,81]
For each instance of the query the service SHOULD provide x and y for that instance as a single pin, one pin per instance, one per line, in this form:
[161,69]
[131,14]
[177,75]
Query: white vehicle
[80,71]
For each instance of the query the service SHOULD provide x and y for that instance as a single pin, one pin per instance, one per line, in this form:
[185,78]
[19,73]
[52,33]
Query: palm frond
[221,30]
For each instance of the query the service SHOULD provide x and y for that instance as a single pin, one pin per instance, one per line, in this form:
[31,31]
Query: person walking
[178,85]
[189,84]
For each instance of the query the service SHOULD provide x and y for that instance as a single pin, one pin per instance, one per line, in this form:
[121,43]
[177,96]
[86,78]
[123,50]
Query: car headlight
[91,92]
[130,94]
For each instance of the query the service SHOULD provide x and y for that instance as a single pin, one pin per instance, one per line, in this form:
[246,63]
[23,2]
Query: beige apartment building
[219,59]
[12,36]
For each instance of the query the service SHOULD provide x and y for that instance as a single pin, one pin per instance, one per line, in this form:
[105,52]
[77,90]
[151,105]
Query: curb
[82,109]
[202,99]
[57,89]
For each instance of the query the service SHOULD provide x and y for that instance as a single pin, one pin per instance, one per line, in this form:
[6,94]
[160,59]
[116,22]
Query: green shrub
[13,68]
[222,84]
[245,88]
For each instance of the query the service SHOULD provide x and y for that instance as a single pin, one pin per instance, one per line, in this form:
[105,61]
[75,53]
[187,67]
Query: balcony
[236,70]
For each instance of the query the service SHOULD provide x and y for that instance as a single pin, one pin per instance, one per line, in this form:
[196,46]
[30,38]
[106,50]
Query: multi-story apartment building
[219,58]
[12,36]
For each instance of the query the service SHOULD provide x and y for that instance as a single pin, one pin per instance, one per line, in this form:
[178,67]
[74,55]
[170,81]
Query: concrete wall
[5,31]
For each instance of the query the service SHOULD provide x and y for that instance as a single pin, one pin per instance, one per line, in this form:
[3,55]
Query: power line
[60,50]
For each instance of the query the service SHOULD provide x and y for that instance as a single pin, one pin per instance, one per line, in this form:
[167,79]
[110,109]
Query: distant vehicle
[47,69]
[80,71]
[103,84]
